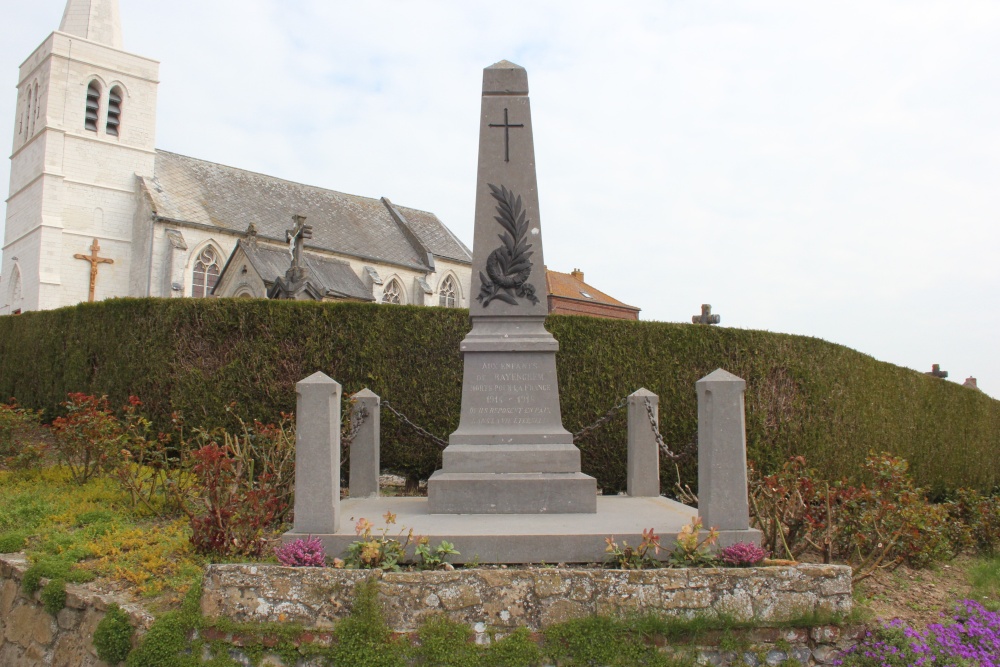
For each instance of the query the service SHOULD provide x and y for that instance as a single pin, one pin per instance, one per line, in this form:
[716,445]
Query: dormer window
[93,105]
[114,111]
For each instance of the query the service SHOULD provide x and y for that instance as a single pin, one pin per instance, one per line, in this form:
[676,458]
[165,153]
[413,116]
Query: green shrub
[113,636]
[53,567]
[88,438]
[445,643]
[804,396]
[363,638]
[13,541]
[18,427]
[515,650]
[54,596]
[600,640]
[165,643]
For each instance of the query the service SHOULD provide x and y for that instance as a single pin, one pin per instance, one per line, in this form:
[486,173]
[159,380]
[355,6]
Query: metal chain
[601,421]
[422,431]
[579,434]
[358,417]
[656,431]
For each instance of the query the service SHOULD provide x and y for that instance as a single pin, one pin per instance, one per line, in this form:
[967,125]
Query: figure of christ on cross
[94,261]
[296,238]
[506,134]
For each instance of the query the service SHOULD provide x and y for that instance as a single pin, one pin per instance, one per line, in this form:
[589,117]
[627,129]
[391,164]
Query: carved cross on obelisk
[706,316]
[296,238]
[94,261]
[506,125]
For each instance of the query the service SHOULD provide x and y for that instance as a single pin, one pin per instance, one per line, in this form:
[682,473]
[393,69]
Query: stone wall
[499,600]
[30,636]
[533,598]
[488,600]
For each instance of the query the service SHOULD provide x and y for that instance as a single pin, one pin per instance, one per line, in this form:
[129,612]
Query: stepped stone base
[511,493]
[512,458]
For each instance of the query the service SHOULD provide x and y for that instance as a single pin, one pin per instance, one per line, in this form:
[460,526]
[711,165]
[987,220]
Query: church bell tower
[84,128]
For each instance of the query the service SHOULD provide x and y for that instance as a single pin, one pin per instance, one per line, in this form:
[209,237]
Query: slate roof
[194,191]
[327,275]
[567,286]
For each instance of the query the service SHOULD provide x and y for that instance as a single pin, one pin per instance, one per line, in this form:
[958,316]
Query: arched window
[27,112]
[35,103]
[446,293]
[392,292]
[93,105]
[114,111]
[206,272]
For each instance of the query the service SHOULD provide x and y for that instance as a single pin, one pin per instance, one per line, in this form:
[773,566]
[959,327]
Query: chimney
[578,274]
[970,382]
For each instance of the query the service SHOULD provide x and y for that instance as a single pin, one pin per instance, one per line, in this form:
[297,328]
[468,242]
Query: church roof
[204,193]
[327,275]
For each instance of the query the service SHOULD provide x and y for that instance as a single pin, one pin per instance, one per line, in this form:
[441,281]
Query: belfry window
[446,294]
[206,273]
[114,111]
[93,105]
[392,292]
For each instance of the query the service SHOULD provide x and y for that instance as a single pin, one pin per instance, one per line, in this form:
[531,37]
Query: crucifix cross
[296,238]
[706,316]
[506,134]
[94,261]
[937,372]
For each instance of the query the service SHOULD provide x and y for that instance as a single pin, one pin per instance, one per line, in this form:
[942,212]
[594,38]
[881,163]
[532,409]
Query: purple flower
[302,553]
[742,554]
[971,635]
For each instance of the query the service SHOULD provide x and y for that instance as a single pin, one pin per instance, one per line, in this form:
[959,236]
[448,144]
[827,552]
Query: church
[96,211]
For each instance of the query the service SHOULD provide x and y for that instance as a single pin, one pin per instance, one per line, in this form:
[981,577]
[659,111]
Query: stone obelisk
[510,453]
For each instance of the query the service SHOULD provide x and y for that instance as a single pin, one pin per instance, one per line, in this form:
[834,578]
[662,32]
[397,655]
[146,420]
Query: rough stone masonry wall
[503,599]
[486,599]
[31,636]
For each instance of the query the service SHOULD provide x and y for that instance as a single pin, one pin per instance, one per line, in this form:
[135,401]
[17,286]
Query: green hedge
[804,395]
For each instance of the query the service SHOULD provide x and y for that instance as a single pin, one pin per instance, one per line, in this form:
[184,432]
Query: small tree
[89,438]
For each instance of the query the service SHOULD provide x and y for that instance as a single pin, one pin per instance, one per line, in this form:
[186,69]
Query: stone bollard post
[365,445]
[643,451]
[722,458]
[317,456]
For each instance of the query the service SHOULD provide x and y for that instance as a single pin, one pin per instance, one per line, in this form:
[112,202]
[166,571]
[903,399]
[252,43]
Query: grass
[984,575]
[82,532]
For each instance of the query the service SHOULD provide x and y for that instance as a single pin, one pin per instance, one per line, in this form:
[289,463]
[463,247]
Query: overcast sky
[826,169]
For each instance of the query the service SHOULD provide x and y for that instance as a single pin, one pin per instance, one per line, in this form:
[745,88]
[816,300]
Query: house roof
[568,286]
[327,275]
[187,190]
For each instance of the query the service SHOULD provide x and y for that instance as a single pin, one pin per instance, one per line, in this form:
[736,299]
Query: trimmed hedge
[804,395]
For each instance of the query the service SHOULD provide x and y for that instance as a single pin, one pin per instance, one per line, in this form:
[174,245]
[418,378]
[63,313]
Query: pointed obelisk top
[505,78]
[507,264]
[96,20]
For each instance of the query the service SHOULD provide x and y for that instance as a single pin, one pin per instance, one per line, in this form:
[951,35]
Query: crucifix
[94,261]
[296,238]
[937,372]
[506,134]
[706,316]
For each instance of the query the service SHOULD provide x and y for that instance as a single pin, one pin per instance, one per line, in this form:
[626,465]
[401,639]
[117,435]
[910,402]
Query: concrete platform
[523,538]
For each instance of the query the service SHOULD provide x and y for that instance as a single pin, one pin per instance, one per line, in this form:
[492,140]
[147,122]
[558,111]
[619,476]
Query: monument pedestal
[510,453]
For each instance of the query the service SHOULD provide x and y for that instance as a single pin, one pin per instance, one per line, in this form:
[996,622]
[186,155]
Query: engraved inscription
[509,390]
